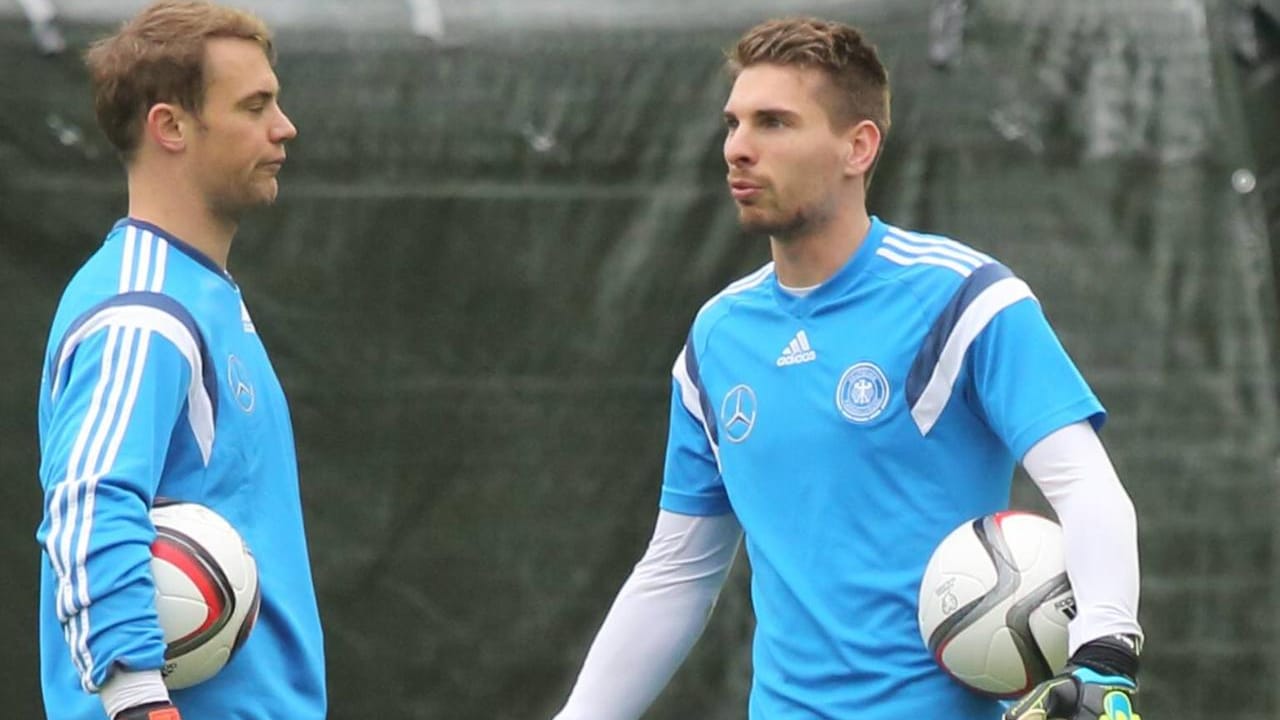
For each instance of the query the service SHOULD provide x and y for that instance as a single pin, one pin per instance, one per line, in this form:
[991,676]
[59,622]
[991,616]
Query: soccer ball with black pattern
[995,603]
[207,594]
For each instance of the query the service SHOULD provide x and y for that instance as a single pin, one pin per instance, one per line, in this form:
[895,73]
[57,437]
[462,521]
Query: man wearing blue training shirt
[843,408]
[156,384]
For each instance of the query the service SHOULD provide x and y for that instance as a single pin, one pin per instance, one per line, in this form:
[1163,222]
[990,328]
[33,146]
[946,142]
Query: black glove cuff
[150,711]
[1109,656]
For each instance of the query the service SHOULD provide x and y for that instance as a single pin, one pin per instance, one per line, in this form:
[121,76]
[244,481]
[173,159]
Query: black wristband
[1109,656]
[150,711]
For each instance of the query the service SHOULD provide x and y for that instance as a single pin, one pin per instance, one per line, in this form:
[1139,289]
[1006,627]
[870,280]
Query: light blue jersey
[849,430]
[156,385]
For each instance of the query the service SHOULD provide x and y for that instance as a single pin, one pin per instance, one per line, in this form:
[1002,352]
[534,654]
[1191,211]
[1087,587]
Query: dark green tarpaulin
[486,255]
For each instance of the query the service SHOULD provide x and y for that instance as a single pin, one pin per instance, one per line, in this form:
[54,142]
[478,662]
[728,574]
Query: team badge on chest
[863,392]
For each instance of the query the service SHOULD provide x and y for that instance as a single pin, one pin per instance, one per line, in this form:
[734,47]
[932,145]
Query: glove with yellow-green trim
[1098,684]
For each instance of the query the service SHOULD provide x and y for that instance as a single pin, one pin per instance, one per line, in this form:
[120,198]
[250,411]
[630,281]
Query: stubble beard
[779,227]
[234,205]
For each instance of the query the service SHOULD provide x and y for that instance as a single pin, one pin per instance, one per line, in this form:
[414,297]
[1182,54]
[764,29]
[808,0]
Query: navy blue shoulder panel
[165,304]
[934,342]
[691,366]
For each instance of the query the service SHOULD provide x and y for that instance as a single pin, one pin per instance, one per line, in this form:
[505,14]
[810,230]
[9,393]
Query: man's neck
[811,258]
[181,212]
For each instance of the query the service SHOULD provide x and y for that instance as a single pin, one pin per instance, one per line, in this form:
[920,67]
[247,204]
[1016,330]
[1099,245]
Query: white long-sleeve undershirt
[656,618]
[1099,528]
[126,689]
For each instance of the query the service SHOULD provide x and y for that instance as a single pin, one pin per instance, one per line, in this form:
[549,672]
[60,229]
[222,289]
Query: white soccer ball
[995,603]
[207,593]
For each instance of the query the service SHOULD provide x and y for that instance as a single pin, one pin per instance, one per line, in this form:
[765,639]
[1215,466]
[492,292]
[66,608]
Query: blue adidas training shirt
[849,430]
[156,384]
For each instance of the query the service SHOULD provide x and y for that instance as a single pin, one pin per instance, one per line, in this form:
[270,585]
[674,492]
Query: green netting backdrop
[486,255]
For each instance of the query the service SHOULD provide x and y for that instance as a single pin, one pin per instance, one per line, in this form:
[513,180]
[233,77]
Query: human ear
[167,125]
[862,147]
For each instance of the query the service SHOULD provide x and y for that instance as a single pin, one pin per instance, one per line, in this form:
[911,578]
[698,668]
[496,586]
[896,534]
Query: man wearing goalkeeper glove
[838,412]
[1098,684]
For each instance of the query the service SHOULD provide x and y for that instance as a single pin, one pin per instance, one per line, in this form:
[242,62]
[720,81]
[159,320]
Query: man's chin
[264,196]
[236,208]
[757,223]
[270,192]
[750,218]
[754,222]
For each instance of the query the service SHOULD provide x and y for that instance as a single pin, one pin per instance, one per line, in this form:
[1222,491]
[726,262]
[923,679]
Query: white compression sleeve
[125,689]
[1099,528]
[657,616]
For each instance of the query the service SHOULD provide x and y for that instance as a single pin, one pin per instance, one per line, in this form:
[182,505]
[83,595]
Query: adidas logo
[797,351]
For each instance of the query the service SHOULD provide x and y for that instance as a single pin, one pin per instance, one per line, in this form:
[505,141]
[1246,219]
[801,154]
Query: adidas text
[797,358]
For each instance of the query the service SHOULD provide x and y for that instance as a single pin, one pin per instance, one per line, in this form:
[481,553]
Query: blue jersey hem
[1084,409]
[686,504]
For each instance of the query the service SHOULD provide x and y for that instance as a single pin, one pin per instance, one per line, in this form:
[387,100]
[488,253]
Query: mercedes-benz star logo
[738,413]
[241,387]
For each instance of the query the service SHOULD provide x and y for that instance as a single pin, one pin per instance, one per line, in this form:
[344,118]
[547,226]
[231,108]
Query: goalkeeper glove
[1097,684]
[150,711]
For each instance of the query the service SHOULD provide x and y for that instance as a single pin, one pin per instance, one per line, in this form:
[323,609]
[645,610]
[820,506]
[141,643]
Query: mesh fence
[488,250]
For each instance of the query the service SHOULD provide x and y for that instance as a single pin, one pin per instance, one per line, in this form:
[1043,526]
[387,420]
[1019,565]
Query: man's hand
[150,711]
[1078,694]
[1098,684]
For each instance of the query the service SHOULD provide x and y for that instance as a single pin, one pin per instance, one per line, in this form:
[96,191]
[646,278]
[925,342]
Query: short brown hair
[859,80]
[158,56]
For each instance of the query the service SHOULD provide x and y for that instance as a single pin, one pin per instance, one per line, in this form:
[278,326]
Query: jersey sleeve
[992,348]
[1025,382]
[691,476]
[120,386]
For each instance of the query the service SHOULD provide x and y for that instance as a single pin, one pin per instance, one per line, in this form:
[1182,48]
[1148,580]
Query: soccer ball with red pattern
[207,594]
[995,603]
